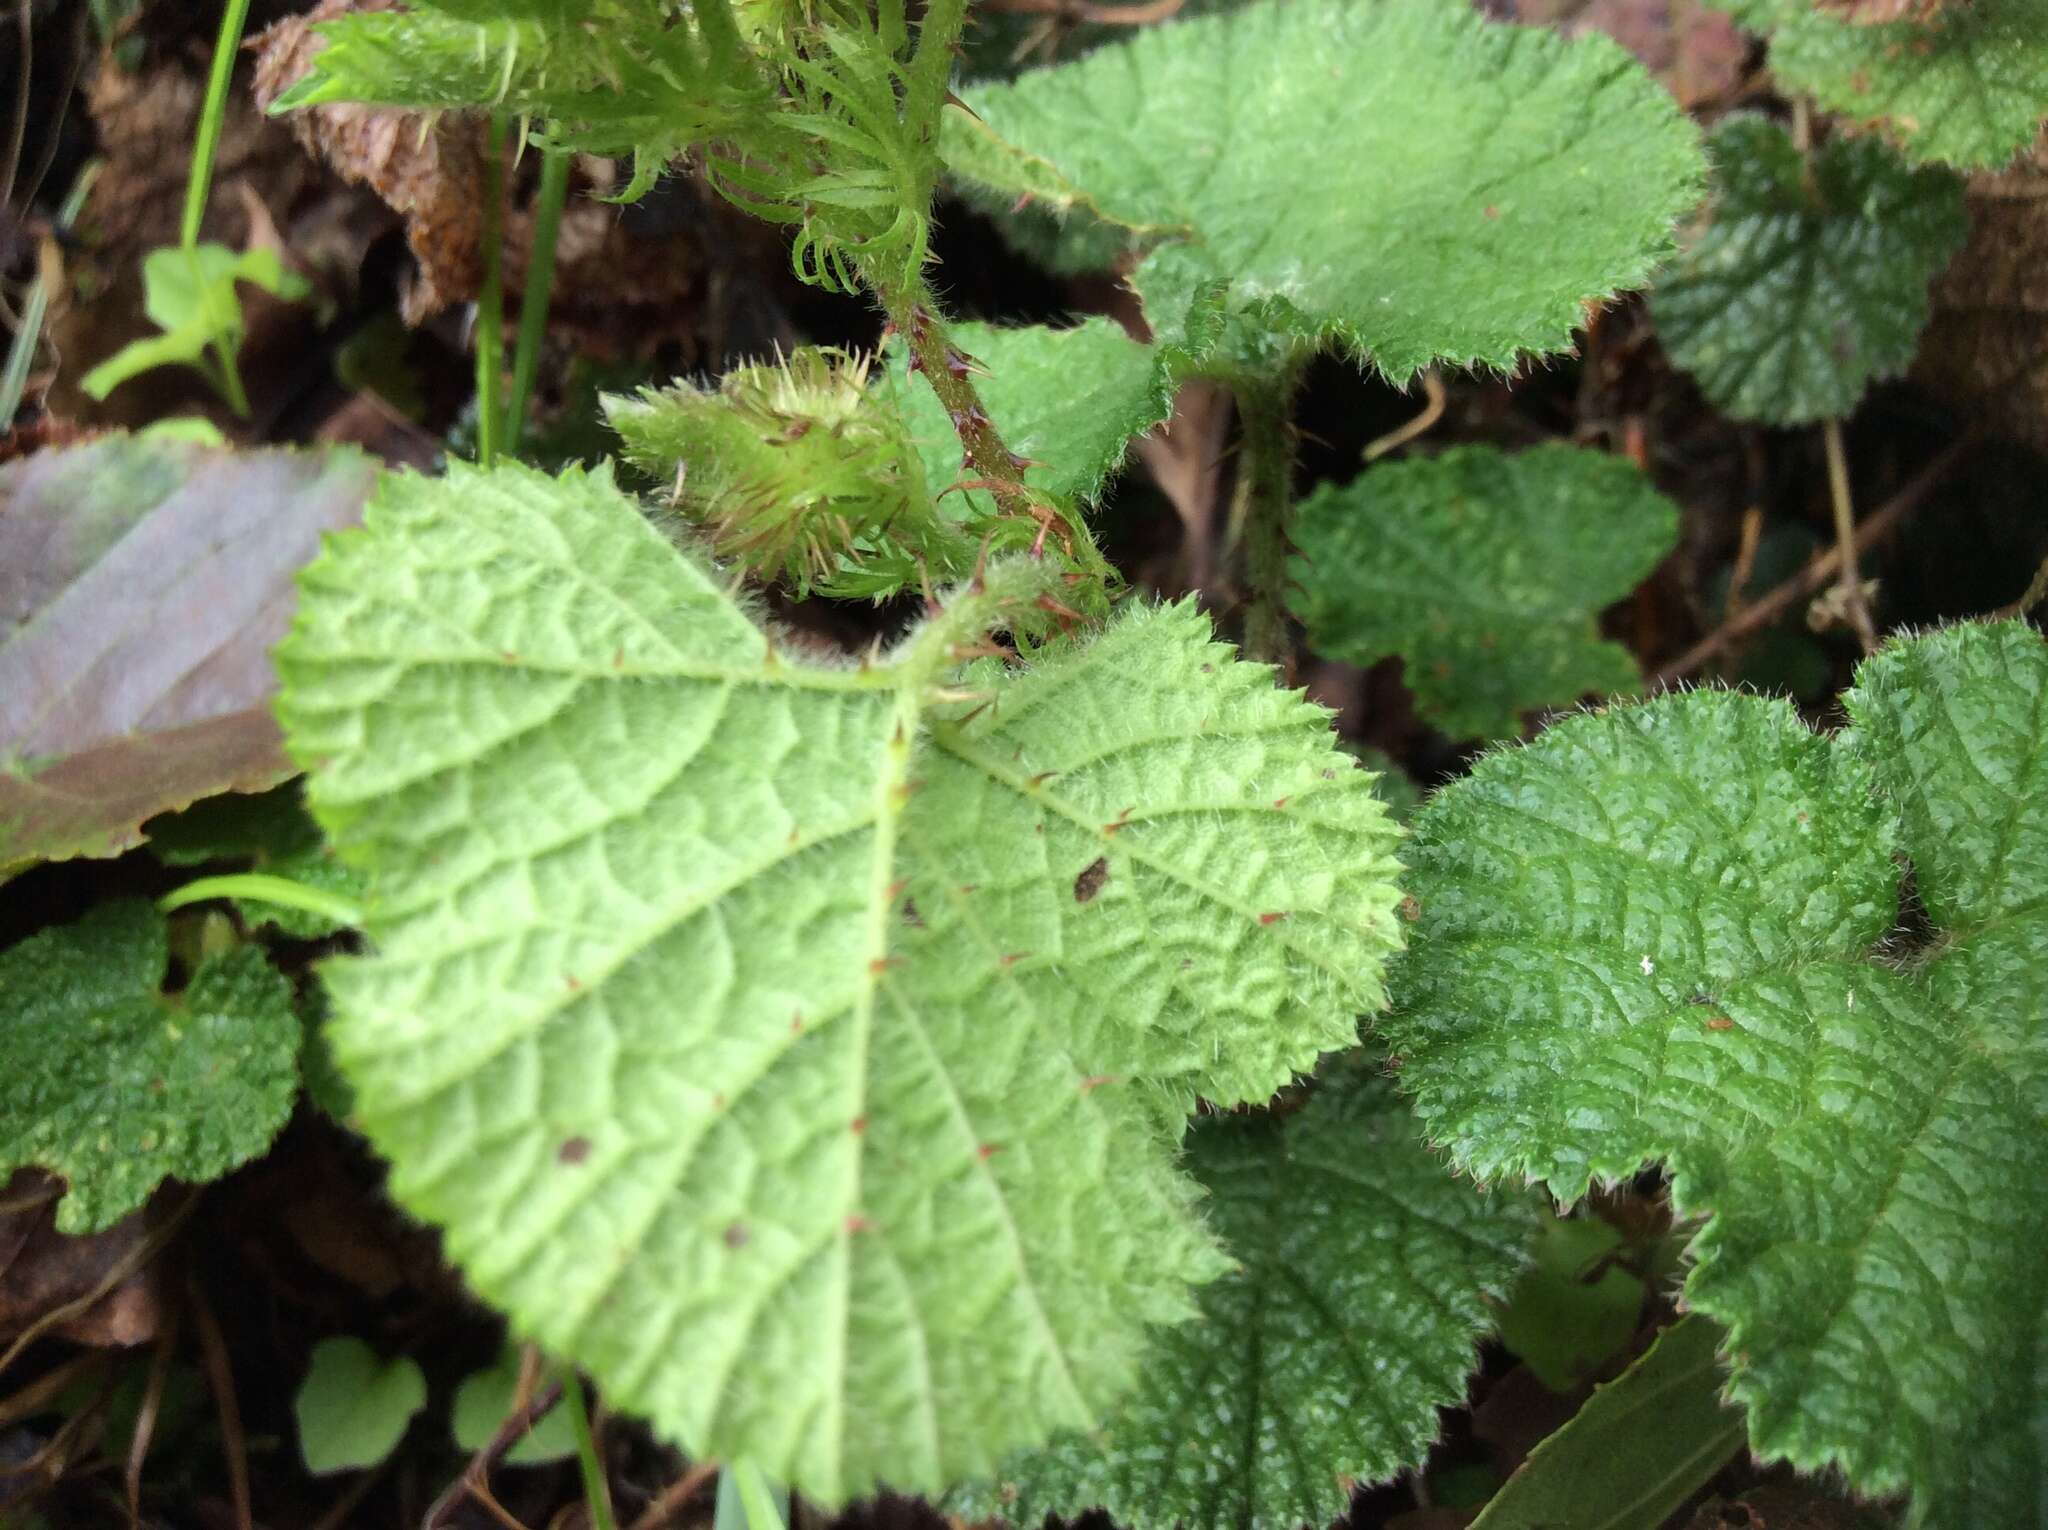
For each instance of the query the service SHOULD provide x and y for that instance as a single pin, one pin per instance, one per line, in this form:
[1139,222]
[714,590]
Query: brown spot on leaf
[1090,881]
[736,1235]
[1720,1023]
[1411,908]
[858,1125]
[988,1150]
[574,1151]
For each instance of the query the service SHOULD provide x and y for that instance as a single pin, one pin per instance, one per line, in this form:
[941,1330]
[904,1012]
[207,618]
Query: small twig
[126,1266]
[1871,530]
[1851,579]
[2037,587]
[1086,10]
[349,1502]
[480,1493]
[220,1379]
[1432,411]
[17,133]
[949,371]
[37,1396]
[675,1495]
[31,1200]
[514,1428]
[145,1415]
[1745,559]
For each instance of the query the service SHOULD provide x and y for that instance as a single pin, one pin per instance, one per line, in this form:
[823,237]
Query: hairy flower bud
[799,471]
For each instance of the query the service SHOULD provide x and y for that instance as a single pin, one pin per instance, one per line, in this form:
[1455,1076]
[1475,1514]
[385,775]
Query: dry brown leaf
[429,169]
[1698,53]
[1986,349]
[141,587]
[144,124]
[42,1270]
[1185,457]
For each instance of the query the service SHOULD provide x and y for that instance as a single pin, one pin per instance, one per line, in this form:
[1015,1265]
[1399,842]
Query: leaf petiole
[258,887]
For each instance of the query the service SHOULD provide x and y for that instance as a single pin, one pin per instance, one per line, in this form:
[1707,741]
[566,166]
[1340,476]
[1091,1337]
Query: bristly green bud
[800,472]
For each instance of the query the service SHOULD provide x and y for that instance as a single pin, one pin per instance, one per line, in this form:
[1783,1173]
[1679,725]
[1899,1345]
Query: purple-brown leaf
[141,587]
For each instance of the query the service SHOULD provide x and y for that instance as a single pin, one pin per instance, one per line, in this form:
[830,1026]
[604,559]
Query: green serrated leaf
[484,1401]
[117,1087]
[1967,88]
[1810,283]
[1366,1278]
[1655,934]
[1639,1448]
[1069,399]
[1485,570]
[797,1013]
[1454,233]
[353,1407]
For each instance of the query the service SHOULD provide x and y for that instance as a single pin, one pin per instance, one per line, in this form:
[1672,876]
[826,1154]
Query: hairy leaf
[799,116]
[1655,934]
[1639,1448]
[115,1086]
[1365,1280]
[353,1407]
[1493,179]
[1071,400]
[787,1043]
[1485,570]
[1811,281]
[141,586]
[1968,87]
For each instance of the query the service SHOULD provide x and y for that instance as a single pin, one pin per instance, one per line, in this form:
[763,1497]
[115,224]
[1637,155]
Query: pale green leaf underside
[787,1054]
[1489,180]
[1654,934]
[1069,399]
[1811,281]
[117,1088]
[1968,89]
[1484,570]
[1365,1281]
